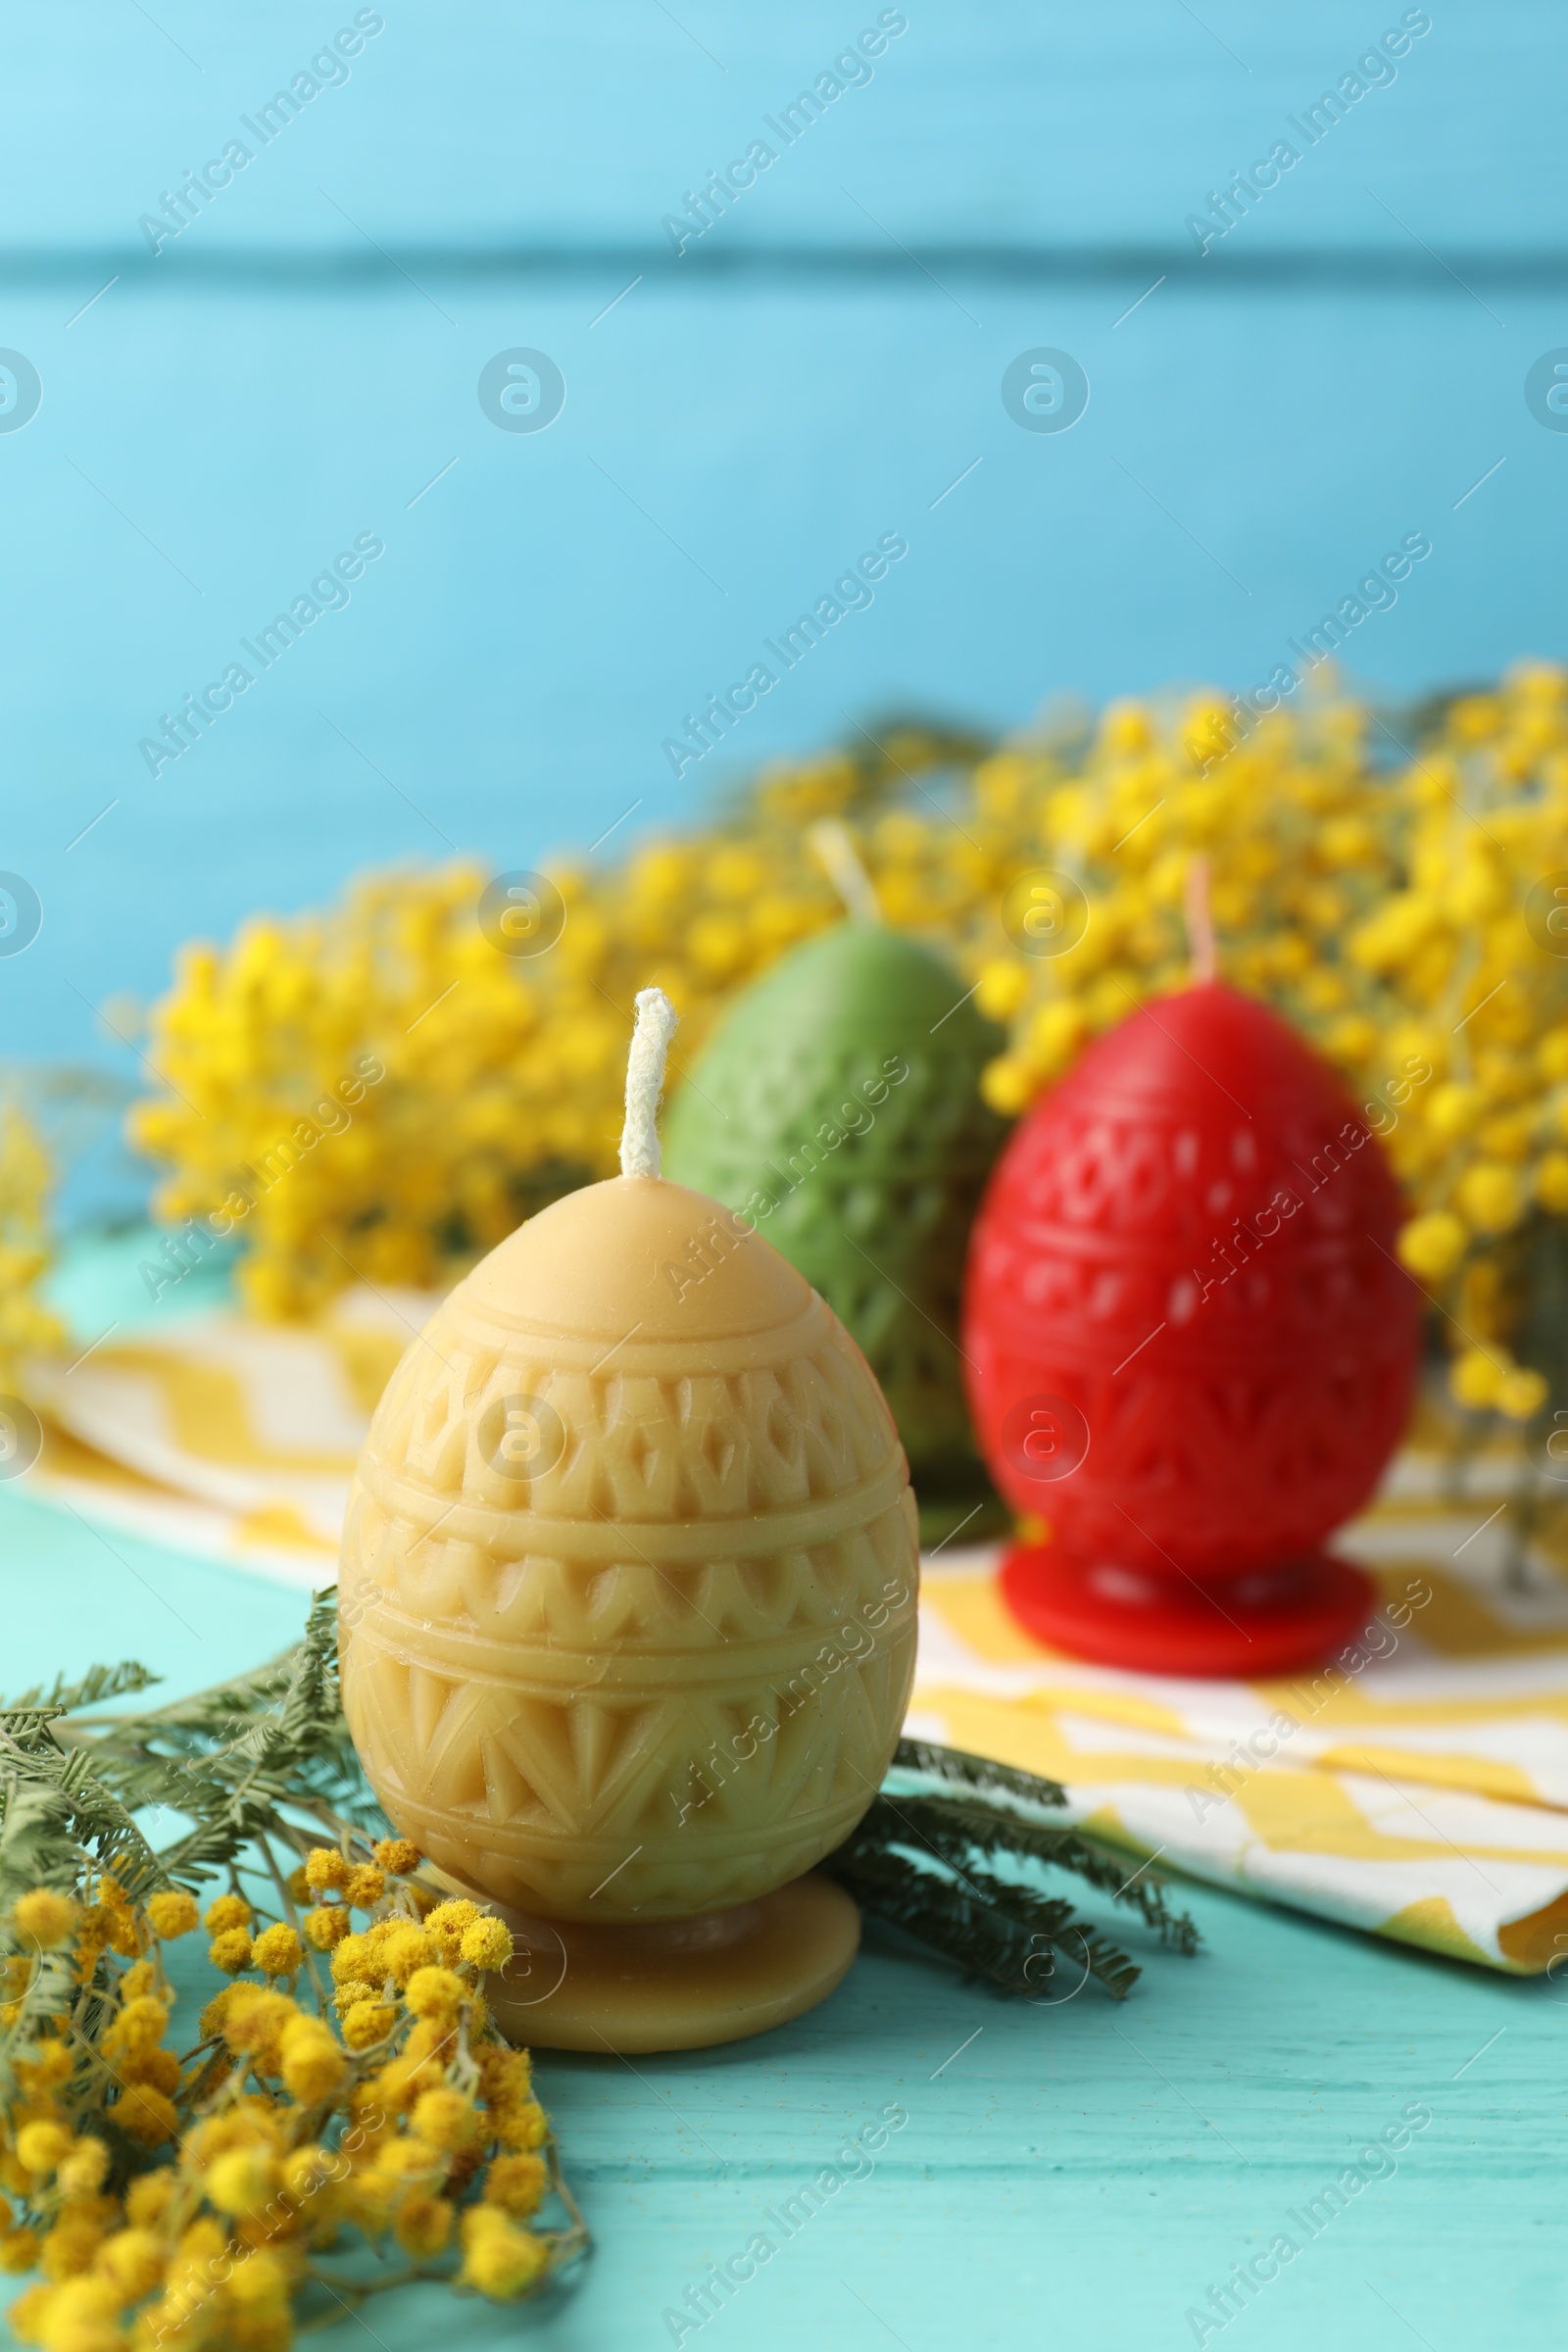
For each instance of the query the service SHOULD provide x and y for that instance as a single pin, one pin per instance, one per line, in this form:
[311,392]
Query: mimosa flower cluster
[347,2084]
[1379,897]
[26,1326]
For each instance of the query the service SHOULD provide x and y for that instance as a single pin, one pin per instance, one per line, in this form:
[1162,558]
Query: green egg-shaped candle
[838,1106]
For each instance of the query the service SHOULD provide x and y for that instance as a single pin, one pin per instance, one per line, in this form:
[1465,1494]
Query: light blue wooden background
[1341,371]
[226,417]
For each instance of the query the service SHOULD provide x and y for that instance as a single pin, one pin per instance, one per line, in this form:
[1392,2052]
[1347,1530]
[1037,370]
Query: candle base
[1249,1626]
[674,1983]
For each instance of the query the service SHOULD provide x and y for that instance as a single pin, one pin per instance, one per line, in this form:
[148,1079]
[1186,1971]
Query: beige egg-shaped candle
[629,1607]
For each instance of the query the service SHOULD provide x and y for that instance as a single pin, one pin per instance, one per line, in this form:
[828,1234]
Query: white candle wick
[645,1082]
[833,843]
[1200,943]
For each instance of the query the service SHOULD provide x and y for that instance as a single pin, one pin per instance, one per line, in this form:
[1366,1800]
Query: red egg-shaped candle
[1191,1346]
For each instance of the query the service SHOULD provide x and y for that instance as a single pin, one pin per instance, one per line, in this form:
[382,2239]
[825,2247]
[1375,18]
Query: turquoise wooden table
[1087,2173]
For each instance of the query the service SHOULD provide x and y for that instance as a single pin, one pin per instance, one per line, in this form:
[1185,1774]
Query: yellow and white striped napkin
[1414,1787]
[226,1437]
